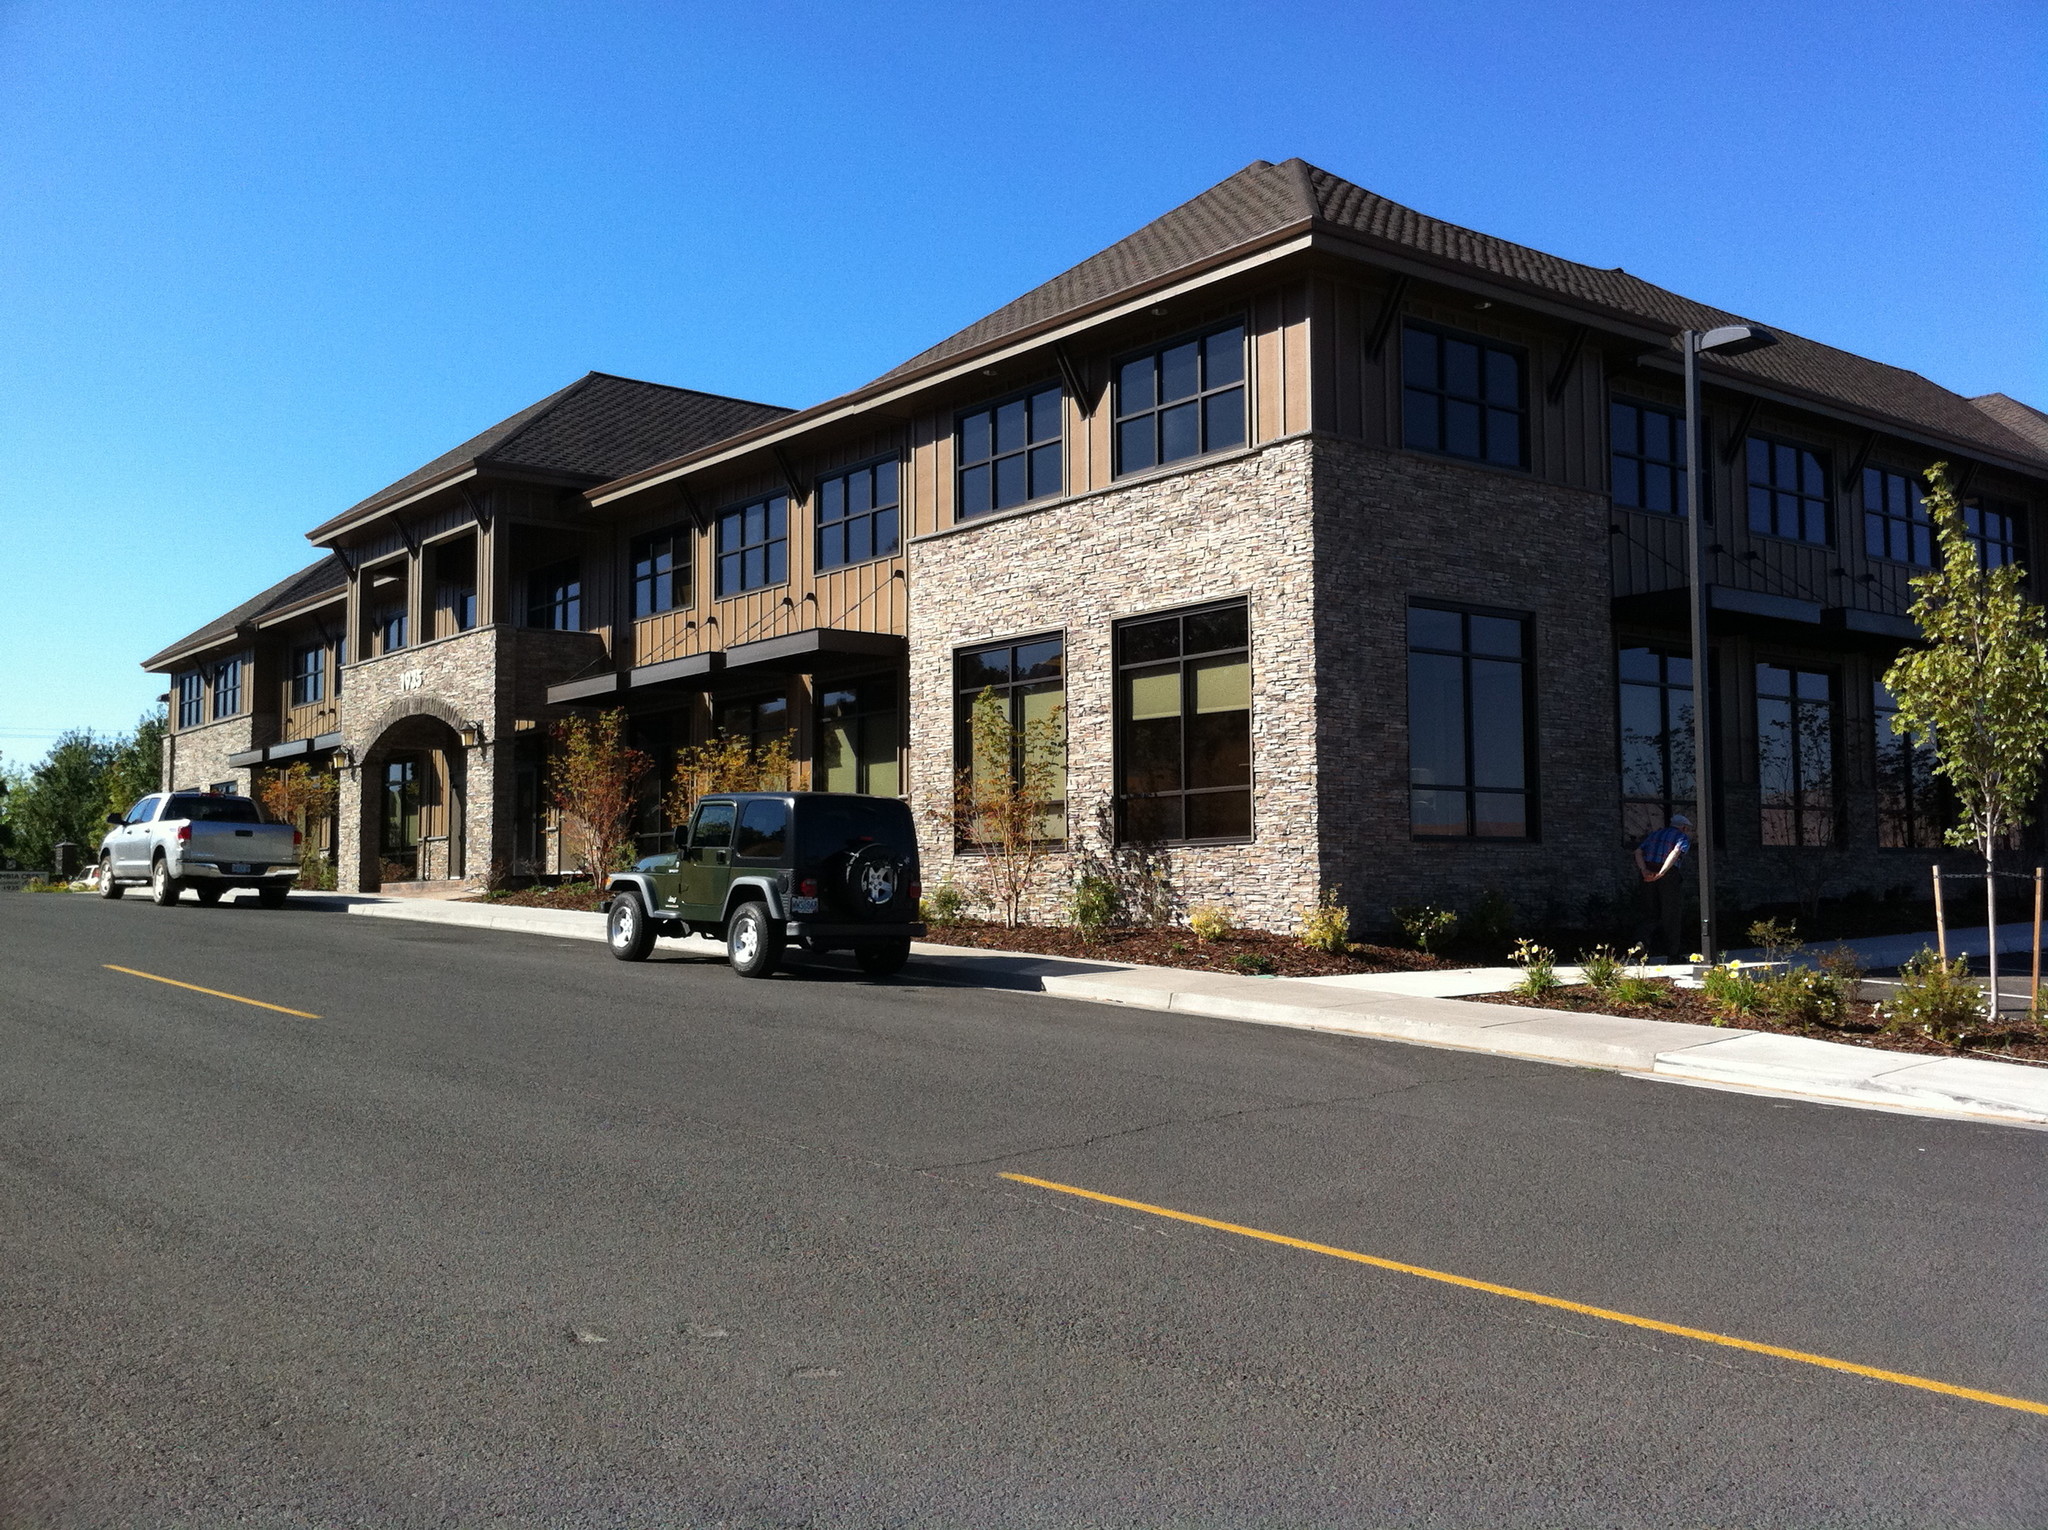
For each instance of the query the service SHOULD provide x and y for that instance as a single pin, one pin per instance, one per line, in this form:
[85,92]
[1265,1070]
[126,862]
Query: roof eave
[1264,249]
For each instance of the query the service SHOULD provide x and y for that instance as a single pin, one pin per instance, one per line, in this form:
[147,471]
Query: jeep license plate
[240,869]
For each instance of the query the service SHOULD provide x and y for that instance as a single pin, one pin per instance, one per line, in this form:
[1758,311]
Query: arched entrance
[414,791]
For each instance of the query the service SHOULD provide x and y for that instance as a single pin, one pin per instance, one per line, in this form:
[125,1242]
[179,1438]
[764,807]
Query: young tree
[1978,689]
[137,767]
[594,779]
[727,764]
[1007,802]
[300,796]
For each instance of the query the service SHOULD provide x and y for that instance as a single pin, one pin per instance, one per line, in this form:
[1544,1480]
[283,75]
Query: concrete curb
[1793,1066]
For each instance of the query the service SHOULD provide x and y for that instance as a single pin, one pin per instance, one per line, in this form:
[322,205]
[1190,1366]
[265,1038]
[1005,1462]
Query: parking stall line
[212,992]
[1704,1336]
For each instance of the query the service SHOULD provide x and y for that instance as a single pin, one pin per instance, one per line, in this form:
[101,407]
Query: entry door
[704,867]
[401,839]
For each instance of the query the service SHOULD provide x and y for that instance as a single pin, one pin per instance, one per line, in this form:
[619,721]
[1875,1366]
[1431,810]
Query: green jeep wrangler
[830,871]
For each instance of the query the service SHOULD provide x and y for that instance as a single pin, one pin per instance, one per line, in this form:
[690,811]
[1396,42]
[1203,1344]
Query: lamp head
[1734,340]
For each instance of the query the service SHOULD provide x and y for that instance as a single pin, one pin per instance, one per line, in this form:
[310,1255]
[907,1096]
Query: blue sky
[260,260]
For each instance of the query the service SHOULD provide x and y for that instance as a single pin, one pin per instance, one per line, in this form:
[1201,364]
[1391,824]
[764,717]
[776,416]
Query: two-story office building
[1346,543]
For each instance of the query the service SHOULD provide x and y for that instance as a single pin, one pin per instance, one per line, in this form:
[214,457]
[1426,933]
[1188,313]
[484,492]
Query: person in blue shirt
[1660,860]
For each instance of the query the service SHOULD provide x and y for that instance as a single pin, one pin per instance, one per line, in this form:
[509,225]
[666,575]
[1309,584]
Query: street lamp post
[1726,340]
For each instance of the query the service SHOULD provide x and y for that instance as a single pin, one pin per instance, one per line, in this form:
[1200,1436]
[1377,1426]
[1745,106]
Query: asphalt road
[513,1233]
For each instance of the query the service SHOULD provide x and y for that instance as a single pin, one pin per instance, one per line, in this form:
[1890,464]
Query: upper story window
[1181,400]
[1647,457]
[1009,453]
[1788,491]
[753,545]
[1994,526]
[1468,724]
[191,699]
[340,659]
[227,688]
[387,629]
[309,675]
[1895,523]
[1462,396]
[454,565]
[554,597]
[1028,680]
[661,571]
[1795,755]
[1184,725]
[857,515]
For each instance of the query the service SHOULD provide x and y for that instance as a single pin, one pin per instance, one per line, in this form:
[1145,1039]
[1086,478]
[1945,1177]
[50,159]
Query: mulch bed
[2013,1041]
[1278,954]
[580,896]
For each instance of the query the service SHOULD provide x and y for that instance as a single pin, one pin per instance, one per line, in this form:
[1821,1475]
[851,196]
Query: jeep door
[703,869]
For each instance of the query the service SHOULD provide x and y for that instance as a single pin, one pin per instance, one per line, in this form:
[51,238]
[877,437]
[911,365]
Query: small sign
[15,881]
[412,679]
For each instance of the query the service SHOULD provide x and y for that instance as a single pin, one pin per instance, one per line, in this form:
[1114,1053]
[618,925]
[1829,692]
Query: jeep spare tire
[873,879]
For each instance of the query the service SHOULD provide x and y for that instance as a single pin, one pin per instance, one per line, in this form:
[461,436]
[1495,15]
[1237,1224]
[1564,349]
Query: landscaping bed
[1241,951]
[579,896]
[2013,1040]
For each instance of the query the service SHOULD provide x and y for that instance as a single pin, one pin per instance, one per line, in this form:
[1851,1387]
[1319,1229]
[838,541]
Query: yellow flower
[1698,956]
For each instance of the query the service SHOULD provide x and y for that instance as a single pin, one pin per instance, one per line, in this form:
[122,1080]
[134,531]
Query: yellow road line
[1997,1400]
[215,992]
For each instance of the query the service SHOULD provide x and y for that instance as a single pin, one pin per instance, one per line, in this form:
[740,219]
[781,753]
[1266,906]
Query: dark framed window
[757,719]
[1028,679]
[1795,754]
[1788,491]
[859,726]
[1181,400]
[1462,396]
[1656,739]
[191,699]
[309,675]
[227,688]
[387,627]
[1468,724]
[554,596]
[1184,725]
[858,515]
[454,565]
[753,545]
[340,659]
[459,601]
[1994,526]
[1895,522]
[1646,455]
[1009,453]
[661,571]
[1910,803]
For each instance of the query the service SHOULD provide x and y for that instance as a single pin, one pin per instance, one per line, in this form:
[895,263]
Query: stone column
[353,838]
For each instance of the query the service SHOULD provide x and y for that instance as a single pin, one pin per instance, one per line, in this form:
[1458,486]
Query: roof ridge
[644,382]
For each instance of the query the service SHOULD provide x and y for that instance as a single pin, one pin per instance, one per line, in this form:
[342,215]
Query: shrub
[1094,905]
[1801,996]
[1778,938]
[1639,990]
[1253,965]
[1427,927]
[1209,921]
[1602,968]
[1491,921]
[1326,924]
[1539,969]
[1731,991]
[316,874]
[945,904]
[1939,999]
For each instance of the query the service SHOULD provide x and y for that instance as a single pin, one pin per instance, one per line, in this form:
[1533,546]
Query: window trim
[819,523]
[682,533]
[1532,779]
[989,407]
[1830,496]
[1119,749]
[719,555]
[1525,408]
[1118,472]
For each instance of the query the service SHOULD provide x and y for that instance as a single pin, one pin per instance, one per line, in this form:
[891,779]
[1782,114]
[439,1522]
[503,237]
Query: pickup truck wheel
[209,894]
[882,958]
[753,944]
[163,887]
[271,897]
[109,888]
[628,930]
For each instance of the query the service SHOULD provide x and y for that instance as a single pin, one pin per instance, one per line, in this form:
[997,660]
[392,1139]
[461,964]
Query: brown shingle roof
[598,427]
[1263,199]
[2021,419]
[316,579]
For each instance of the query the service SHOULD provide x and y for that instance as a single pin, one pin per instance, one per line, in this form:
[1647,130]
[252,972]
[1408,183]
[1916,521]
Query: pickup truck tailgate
[251,844]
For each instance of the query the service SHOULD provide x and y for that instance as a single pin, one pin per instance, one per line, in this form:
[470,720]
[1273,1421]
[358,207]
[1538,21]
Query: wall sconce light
[472,734]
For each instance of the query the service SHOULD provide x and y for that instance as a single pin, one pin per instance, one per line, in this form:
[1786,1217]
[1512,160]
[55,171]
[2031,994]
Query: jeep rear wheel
[753,944]
[627,929]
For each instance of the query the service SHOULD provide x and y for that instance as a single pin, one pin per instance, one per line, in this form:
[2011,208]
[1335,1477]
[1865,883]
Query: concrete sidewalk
[1827,1071]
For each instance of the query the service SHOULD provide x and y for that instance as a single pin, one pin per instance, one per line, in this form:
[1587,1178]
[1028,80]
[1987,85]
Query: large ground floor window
[1656,739]
[1910,802]
[1184,725]
[859,730]
[1027,678]
[1795,755]
[1468,725]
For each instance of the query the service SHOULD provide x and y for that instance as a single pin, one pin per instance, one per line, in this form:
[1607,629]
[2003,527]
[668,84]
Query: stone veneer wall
[1238,527]
[494,676]
[195,758]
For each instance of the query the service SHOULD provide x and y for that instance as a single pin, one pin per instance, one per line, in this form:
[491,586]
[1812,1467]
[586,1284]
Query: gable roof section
[1264,199]
[599,427]
[2021,419]
[327,576]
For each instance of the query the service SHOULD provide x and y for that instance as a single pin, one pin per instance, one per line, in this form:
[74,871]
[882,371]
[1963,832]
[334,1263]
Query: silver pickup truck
[207,841]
